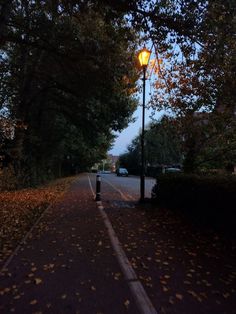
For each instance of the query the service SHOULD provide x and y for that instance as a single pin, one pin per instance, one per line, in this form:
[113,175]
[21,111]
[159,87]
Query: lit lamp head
[144,56]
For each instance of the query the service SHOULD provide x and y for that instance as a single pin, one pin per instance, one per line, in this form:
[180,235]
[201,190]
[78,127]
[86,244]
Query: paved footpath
[69,265]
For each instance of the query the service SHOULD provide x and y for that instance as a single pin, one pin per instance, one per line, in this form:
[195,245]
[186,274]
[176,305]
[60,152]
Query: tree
[162,147]
[197,87]
[132,159]
[196,42]
[64,81]
[162,143]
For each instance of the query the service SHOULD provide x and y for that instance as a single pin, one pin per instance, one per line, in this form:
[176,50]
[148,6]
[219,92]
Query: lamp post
[143,56]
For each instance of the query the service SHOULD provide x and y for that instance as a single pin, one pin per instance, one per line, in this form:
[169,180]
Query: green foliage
[209,141]
[162,147]
[209,199]
[67,81]
[132,159]
[163,144]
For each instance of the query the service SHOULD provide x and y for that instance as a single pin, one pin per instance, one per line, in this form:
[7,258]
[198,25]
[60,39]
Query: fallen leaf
[38,281]
[17,297]
[226,295]
[186,282]
[165,289]
[179,296]
[171,300]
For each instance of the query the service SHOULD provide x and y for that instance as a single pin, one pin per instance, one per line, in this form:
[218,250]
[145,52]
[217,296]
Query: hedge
[209,199]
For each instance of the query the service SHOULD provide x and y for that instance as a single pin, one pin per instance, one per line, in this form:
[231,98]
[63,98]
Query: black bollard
[98,188]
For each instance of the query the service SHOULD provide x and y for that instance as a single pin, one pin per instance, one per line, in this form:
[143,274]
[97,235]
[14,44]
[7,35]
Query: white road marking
[141,298]
[126,197]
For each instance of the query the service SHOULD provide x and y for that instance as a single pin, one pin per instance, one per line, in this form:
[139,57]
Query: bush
[209,199]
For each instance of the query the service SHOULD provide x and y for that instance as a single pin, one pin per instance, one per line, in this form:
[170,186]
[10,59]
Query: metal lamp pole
[143,57]
[142,175]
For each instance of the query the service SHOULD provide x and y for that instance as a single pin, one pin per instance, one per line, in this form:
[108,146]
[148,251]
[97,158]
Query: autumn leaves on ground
[19,210]
[68,264]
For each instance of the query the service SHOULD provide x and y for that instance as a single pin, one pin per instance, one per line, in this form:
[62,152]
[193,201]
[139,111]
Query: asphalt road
[129,186]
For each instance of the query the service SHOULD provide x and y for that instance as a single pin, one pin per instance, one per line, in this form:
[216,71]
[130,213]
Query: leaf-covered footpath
[20,209]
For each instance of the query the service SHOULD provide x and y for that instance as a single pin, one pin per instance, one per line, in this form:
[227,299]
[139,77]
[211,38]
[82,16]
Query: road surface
[129,186]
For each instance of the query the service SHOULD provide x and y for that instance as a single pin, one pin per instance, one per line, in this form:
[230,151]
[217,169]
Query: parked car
[122,172]
[171,170]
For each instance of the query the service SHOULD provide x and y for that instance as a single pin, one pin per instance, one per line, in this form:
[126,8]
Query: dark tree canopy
[67,80]
[162,147]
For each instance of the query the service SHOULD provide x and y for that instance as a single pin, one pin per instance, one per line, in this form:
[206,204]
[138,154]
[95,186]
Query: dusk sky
[125,137]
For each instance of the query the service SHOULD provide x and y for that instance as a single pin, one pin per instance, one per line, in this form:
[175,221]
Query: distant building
[113,160]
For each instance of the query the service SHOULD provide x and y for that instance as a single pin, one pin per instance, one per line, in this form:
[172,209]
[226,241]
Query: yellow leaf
[7,290]
[126,303]
[179,296]
[165,289]
[192,293]
[17,297]
[38,281]
[171,300]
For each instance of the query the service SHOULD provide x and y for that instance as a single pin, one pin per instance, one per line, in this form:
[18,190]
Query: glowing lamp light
[144,56]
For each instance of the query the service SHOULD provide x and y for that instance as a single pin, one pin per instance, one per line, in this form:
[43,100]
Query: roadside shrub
[209,199]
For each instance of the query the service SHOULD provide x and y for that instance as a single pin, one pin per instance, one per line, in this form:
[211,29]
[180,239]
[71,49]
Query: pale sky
[125,137]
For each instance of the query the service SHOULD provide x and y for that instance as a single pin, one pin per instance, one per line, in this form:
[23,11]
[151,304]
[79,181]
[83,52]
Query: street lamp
[143,56]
